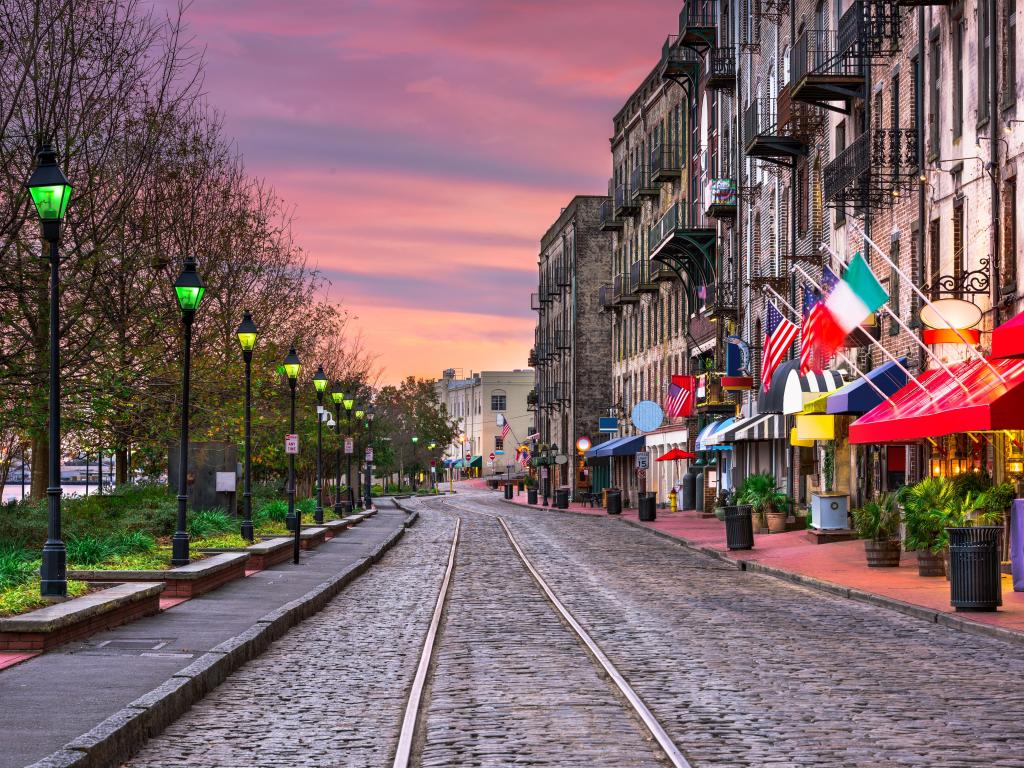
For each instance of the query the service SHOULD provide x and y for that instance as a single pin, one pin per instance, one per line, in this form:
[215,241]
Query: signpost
[643,460]
[291,444]
[350,445]
[369,454]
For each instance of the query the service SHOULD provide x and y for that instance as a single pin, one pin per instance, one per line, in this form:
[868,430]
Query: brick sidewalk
[841,564]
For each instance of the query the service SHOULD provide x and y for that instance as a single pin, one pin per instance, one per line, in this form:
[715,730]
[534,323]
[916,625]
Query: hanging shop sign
[607,424]
[647,416]
[951,321]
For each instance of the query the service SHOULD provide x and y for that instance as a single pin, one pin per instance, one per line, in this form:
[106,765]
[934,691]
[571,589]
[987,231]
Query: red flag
[679,401]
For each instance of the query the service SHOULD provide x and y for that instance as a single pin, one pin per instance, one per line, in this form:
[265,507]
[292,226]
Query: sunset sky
[426,146]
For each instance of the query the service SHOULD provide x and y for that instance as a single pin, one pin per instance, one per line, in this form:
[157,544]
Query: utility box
[209,467]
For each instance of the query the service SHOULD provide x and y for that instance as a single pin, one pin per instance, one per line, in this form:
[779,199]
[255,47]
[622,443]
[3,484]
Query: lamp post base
[289,522]
[54,582]
[318,515]
[248,532]
[339,510]
[179,549]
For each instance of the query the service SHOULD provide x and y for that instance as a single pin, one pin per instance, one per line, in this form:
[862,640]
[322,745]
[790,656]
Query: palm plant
[928,506]
[761,491]
[879,519]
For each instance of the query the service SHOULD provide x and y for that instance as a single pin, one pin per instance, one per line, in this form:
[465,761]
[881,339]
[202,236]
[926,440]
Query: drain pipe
[993,111]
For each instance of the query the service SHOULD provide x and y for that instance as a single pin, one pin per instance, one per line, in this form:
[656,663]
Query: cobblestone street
[741,669]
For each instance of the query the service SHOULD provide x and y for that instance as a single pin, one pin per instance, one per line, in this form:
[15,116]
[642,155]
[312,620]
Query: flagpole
[847,360]
[926,300]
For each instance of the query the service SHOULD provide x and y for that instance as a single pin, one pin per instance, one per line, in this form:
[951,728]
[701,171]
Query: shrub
[927,508]
[272,511]
[15,566]
[209,521]
[878,519]
[306,506]
[89,550]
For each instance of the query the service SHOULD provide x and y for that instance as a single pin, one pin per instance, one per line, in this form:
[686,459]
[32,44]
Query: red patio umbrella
[676,454]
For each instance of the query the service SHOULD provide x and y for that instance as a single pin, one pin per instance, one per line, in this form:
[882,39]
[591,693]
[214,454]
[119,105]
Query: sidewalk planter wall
[882,554]
[647,508]
[269,552]
[975,583]
[77,619]
[335,527]
[830,511]
[614,501]
[531,496]
[311,538]
[930,563]
[187,581]
[739,527]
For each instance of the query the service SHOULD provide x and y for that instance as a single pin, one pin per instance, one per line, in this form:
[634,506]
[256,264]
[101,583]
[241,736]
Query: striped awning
[765,426]
[789,390]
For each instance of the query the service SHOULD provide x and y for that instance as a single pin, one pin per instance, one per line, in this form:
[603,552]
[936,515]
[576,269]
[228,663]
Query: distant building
[475,402]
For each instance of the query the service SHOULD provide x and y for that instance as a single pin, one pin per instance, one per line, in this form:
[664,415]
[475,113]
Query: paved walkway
[840,563]
[52,699]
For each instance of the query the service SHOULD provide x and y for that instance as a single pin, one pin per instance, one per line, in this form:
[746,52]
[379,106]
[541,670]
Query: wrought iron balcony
[535,301]
[829,66]
[606,297]
[621,290]
[915,3]
[563,277]
[698,23]
[660,271]
[609,221]
[721,69]
[531,399]
[721,198]
[778,130]
[666,162]
[679,63]
[544,293]
[541,354]
[685,238]
[640,183]
[874,170]
[640,277]
[623,200]
[531,359]
[555,282]
[720,299]
[554,398]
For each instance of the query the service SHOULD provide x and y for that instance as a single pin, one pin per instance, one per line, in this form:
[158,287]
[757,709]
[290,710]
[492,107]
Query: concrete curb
[929,615]
[121,735]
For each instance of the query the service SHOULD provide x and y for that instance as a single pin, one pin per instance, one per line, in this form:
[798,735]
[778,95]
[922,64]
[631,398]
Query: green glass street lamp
[189,290]
[292,367]
[247,341]
[320,384]
[338,397]
[51,191]
[367,486]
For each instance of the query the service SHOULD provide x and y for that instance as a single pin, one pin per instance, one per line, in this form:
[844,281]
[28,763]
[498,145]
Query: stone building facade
[573,334]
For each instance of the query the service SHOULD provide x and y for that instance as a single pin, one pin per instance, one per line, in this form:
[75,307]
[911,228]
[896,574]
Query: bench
[311,538]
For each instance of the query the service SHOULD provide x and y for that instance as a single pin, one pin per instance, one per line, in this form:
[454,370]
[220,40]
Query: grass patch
[221,541]
[24,597]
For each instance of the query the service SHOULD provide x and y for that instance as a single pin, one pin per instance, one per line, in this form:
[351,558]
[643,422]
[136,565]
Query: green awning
[477,462]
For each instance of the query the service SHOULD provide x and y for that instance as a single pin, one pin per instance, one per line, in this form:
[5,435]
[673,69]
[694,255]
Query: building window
[1009,267]
[498,400]
[958,78]
[934,259]
[958,246]
[934,66]
[984,54]
[499,443]
[1010,52]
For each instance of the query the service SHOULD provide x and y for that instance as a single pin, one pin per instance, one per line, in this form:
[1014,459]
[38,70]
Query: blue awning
[620,446]
[860,397]
[707,439]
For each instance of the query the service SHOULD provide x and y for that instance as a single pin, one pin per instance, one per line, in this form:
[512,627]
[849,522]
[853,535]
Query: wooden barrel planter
[882,554]
[930,564]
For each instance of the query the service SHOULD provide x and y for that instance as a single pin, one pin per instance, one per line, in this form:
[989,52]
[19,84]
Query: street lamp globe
[360,413]
[189,287]
[415,439]
[348,401]
[320,381]
[292,365]
[48,186]
[247,333]
[370,412]
[337,393]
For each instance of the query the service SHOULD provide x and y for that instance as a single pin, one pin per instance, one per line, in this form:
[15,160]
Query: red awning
[988,404]
[676,454]
[1008,338]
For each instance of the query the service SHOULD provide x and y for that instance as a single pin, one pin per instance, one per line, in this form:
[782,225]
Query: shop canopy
[704,442]
[983,403]
[477,462]
[860,397]
[677,454]
[764,426]
[620,446]
[789,390]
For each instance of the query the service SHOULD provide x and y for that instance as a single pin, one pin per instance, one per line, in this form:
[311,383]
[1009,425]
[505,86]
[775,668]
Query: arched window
[498,400]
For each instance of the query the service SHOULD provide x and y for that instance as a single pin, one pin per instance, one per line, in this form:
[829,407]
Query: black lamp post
[338,396]
[320,383]
[189,290]
[368,485]
[348,401]
[292,366]
[51,191]
[412,471]
[247,339]
[361,425]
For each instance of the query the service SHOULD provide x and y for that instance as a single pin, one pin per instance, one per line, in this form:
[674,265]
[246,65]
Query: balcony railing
[873,169]
[829,65]
[680,218]
[678,62]
[640,277]
[666,162]
[624,202]
[609,220]
[605,297]
[563,340]
[698,22]
[721,69]
[640,183]
[544,293]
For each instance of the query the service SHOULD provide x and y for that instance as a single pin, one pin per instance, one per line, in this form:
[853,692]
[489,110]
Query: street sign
[350,445]
[291,444]
[490,463]
[607,424]
[469,457]
[561,459]
[491,457]
[544,473]
[369,454]
[643,460]
[641,474]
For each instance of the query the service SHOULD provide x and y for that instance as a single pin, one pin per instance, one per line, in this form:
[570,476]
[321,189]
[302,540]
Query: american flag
[679,401]
[505,429]
[524,458]
[779,335]
[810,357]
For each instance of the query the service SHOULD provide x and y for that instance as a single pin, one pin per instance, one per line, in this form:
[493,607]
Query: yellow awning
[794,440]
[815,427]
[816,403]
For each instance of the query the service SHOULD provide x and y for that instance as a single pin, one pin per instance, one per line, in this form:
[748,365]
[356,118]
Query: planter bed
[187,581]
[335,527]
[264,554]
[46,628]
[311,538]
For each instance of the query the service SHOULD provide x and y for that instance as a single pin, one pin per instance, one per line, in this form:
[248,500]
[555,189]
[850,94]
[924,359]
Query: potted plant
[722,502]
[771,505]
[926,512]
[878,523]
[829,510]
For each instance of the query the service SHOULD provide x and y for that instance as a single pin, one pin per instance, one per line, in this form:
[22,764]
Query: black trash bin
[689,489]
[531,495]
[614,501]
[508,490]
[648,511]
[739,528]
[974,580]
[562,498]
[698,496]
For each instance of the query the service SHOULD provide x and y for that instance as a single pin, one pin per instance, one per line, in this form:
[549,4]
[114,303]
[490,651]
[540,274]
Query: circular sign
[647,416]
[561,459]
[583,444]
[491,457]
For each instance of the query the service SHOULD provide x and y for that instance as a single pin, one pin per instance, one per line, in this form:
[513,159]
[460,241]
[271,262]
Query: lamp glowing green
[247,333]
[338,395]
[415,439]
[320,380]
[189,287]
[349,402]
[359,414]
[48,186]
[292,366]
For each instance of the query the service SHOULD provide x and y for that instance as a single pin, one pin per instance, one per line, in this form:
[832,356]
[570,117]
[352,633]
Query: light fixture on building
[583,444]
[935,467]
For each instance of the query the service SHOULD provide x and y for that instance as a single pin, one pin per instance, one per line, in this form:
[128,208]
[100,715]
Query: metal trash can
[614,501]
[690,488]
[975,583]
[531,495]
[739,528]
[508,490]
[647,509]
[698,495]
[562,498]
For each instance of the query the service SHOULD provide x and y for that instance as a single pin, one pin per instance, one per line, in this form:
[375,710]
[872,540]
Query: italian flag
[849,304]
